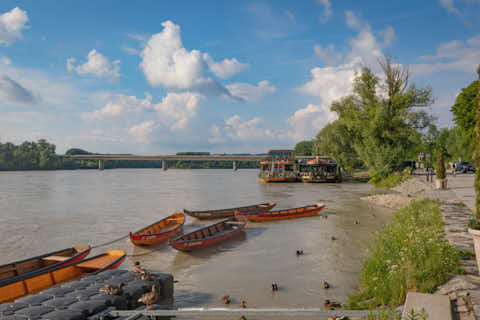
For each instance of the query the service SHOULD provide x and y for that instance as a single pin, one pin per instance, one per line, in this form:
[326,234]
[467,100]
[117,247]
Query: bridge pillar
[164,165]
[235,165]
[100,165]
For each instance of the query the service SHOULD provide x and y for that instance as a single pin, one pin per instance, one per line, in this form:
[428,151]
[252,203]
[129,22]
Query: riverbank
[456,205]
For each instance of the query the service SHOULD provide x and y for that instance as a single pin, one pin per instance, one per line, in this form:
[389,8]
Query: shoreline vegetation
[41,155]
[409,254]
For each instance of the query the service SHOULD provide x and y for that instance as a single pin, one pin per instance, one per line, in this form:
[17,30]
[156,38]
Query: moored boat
[43,262]
[224,213]
[209,235]
[159,231]
[33,282]
[283,214]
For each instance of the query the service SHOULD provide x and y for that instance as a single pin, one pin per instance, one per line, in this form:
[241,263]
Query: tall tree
[465,107]
[304,148]
[476,154]
[383,115]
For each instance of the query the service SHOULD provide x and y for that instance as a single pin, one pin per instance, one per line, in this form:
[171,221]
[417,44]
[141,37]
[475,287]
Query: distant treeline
[41,155]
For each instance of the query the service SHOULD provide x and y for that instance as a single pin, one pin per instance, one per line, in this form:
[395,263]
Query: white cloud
[173,113]
[96,64]
[305,123]
[226,68]
[165,62]
[237,129]
[456,55]
[290,16]
[330,83]
[328,54]
[327,10]
[449,6]
[142,131]
[388,35]
[109,111]
[248,92]
[354,21]
[13,92]
[11,25]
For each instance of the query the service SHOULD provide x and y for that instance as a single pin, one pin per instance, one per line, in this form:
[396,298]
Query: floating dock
[82,299]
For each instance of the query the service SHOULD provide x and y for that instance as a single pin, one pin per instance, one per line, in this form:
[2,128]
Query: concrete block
[436,306]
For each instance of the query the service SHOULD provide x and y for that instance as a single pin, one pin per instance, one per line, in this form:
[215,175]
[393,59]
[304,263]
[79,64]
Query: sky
[159,77]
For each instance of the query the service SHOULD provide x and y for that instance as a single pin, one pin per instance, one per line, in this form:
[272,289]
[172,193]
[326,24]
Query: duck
[243,318]
[356,222]
[274,286]
[137,268]
[226,299]
[148,277]
[333,238]
[243,304]
[299,252]
[325,285]
[149,298]
[332,305]
[113,290]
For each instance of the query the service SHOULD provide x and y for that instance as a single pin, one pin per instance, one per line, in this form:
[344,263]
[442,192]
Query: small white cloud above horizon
[97,64]
[327,10]
[12,23]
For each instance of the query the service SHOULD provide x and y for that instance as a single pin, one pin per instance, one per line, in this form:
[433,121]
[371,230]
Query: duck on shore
[226,299]
[137,268]
[243,304]
[149,298]
[274,286]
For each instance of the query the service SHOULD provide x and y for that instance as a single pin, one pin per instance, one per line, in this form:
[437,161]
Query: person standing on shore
[454,171]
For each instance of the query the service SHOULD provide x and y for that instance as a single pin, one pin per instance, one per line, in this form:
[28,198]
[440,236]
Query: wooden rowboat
[225,213]
[209,235]
[43,262]
[283,214]
[159,231]
[33,282]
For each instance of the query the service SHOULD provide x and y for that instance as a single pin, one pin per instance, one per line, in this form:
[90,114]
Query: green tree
[464,109]
[304,148]
[335,141]
[383,116]
[476,154]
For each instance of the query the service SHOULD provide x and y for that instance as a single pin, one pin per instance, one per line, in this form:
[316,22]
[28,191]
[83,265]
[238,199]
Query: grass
[410,254]
[390,181]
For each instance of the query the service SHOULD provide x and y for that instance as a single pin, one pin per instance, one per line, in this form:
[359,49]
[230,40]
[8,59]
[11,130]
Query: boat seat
[213,230]
[56,258]
[198,235]
[220,227]
[206,233]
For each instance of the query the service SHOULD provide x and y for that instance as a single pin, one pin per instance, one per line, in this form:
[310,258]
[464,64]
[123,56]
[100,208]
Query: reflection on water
[44,211]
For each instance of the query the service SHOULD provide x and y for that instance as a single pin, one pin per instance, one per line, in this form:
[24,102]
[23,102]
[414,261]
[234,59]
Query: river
[44,211]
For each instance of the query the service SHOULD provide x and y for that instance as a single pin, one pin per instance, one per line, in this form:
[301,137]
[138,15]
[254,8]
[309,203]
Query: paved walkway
[462,186]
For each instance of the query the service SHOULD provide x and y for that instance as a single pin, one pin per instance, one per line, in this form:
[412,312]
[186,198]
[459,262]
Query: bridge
[101,158]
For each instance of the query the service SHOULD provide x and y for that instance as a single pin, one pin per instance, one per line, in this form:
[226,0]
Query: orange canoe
[283,214]
[43,262]
[159,231]
[34,282]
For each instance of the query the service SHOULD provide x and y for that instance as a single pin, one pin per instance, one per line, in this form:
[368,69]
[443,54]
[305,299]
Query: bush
[440,165]
[410,254]
[390,181]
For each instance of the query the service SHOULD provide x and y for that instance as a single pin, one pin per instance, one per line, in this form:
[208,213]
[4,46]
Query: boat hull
[277,179]
[192,242]
[283,214]
[225,213]
[43,262]
[159,232]
[37,281]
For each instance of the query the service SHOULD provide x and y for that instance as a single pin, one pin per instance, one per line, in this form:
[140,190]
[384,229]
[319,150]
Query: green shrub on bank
[390,181]
[410,254]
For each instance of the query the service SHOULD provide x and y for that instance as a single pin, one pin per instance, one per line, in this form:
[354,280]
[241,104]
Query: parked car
[464,167]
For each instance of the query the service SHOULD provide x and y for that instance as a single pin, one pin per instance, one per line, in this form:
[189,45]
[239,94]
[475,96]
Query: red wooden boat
[283,214]
[43,262]
[225,213]
[33,282]
[209,235]
[159,231]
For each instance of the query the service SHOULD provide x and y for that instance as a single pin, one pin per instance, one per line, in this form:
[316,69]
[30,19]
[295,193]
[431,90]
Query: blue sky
[155,77]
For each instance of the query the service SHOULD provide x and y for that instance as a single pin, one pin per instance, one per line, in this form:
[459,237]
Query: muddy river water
[44,211]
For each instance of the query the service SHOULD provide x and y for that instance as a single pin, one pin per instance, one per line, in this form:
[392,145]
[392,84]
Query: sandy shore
[414,188]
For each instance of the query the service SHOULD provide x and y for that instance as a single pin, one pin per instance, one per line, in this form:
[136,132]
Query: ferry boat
[279,166]
[320,169]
